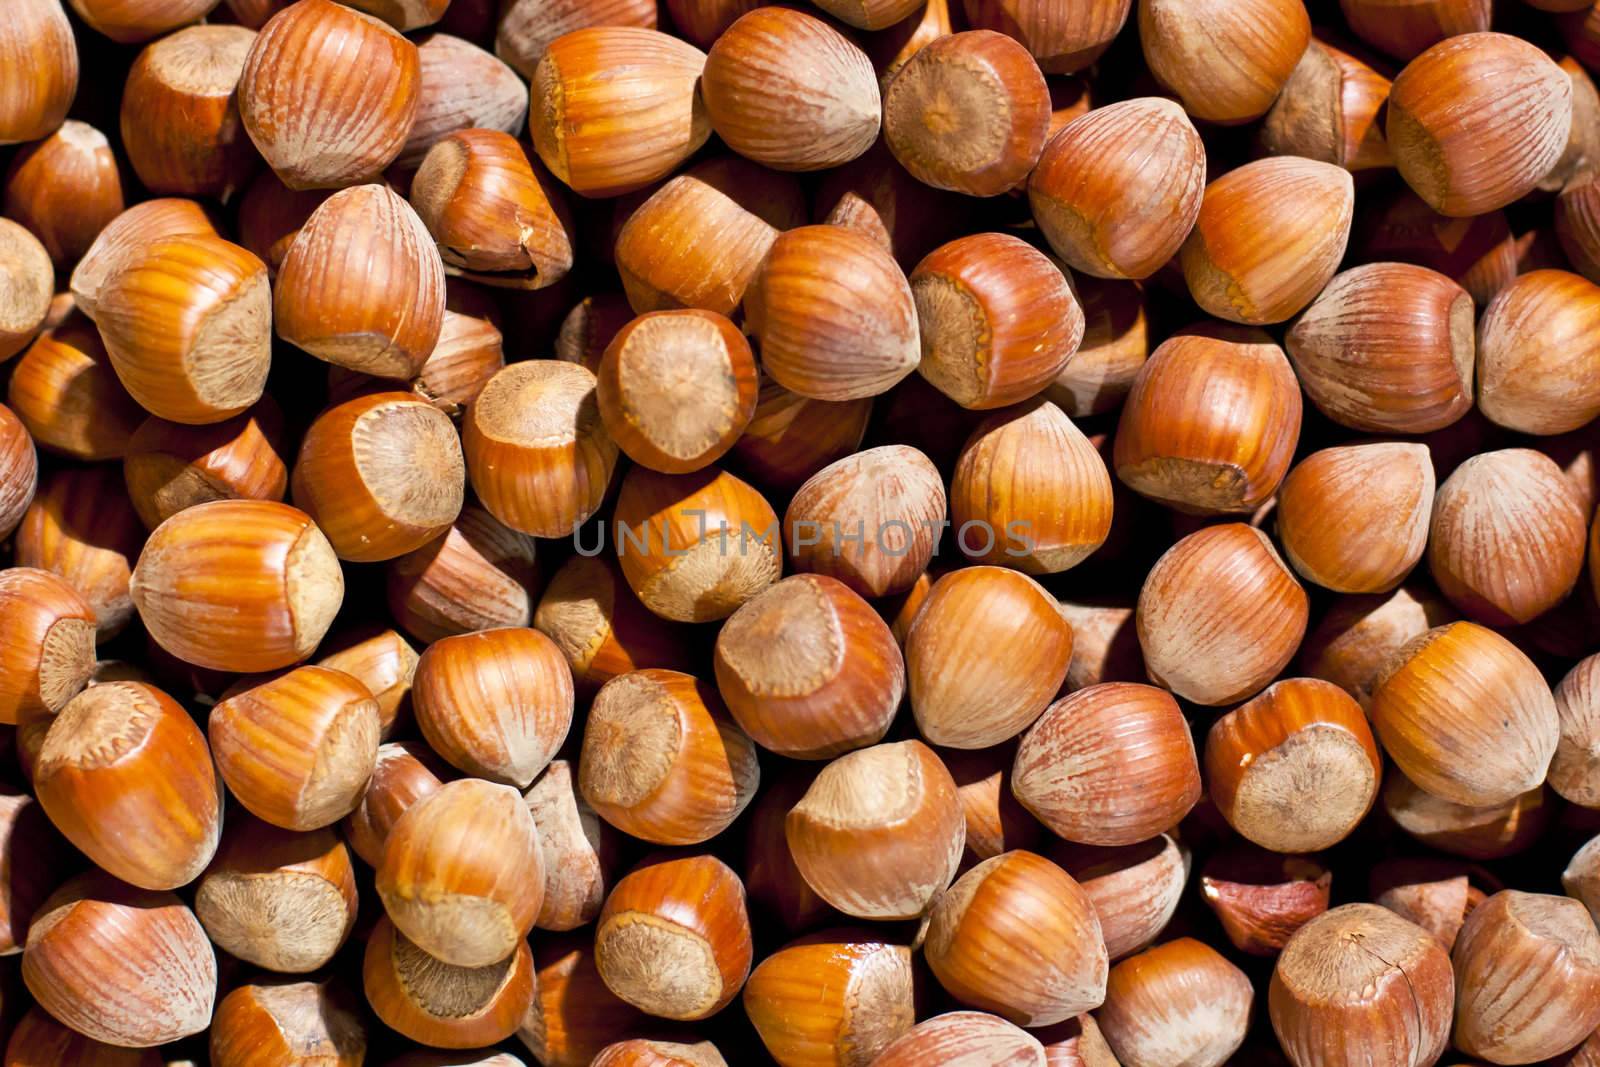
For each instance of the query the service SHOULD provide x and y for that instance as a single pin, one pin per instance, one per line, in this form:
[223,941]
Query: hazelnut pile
[859,533]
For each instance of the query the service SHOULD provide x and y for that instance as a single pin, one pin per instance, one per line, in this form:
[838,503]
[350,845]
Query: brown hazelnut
[601,627]
[1573,771]
[462,875]
[1360,984]
[1355,638]
[1261,900]
[1355,518]
[404,773]
[695,546]
[835,999]
[879,833]
[313,1021]
[316,127]
[968,113]
[1269,236]
[963,1036]
[787,90]
[48,653]
[67,394]
[1537,370]
[297,750]
[1490,560]
[1465,715]
[526,27]
[1017,936]
[478,575]
[1403,28]
[64,188]
[1211,422]
[673,938]
[1094,177]
[1112,764]
[1227,61]
[1435,893]
[19,471]
[1116,343]
[1220,615]
[791,437]
[1135,889]
[123,966]
[81,527]
[1062,37]
[574,1015]
[169,466]
[463,87]
[1485,832]
[40,71]
[281,900]
[577,849]
[872,520]
[1328,111]
[383,662]
[496,704]
[1180,1002]
[126,237]
[662,762]
[834,316]
[434,1003]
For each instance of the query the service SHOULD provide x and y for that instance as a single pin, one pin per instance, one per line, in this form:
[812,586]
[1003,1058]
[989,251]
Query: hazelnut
[1328,111]
[276,898]
[462,871]
[1226,59]
[1436,894]
[1105,643]
[496,704]
[404,15]
[1269,235]
[119,965]
[996,821]
[463,87]
[677,388]
[125,775]
[64,188]
[316,127]
[673,938]
[469,353]
[28,275]
[378,311]
[1359,984]
[870,14]
[835,999]
[1135,889]
[49,649]
[292,1020]
[1179,1002]
[576,849]
[132,21]
[1211,422]
[1474,122]
[697,241]
[963,1037]
[997,319]
[809,670]
[81,527]
[834,316]
[1017,936]
[790,92]
[961,695]
[40,70]
[1095,176]
[1488,558]
[695,546]
[495,217]
[641,1052]
[1536,366]
[67,394]
[537,452]
[1260,755]
[662,762]
[19,471]
[879,833]
[872,520]
[1220,615]
[297,750]
[403,773]
[1573,771]
[1465,715]
[169,466]
[435,1003]
[582,82]
[180,117]
[1499,1016]
[968,113]
[1484,832]
[1112,764]
[1355,518]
